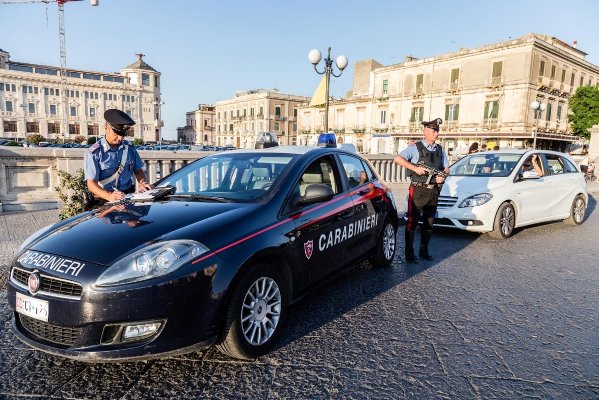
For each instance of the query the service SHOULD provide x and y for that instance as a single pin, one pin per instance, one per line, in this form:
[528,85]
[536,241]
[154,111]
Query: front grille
[446,201]
[51,333]
[48,285]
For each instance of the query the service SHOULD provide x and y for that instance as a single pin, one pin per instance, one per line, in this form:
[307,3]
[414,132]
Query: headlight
[32,238]
[476,200]
[152,261]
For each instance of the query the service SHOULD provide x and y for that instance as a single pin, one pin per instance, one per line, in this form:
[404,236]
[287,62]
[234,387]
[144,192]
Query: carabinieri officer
[423,198]
[112,164]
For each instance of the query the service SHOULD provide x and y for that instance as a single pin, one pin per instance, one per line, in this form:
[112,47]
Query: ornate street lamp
[538,109]
[314,56]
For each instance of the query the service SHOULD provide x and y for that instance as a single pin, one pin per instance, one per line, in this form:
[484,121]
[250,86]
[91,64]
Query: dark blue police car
[215,257]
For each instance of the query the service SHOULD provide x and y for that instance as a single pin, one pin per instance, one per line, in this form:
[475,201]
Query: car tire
[505,221]
[255,313]
[577,211]
[386,246]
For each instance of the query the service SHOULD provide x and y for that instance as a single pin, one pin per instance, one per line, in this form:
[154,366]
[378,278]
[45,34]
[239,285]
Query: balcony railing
[490,123]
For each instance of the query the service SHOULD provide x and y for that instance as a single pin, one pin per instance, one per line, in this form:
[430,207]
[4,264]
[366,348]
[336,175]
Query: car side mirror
[530,175]
[315,193]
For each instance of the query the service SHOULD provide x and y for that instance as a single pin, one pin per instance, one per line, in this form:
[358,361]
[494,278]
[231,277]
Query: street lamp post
[315,56]
[538,109]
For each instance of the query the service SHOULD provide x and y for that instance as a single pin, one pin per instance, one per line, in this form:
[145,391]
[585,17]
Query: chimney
[575,43]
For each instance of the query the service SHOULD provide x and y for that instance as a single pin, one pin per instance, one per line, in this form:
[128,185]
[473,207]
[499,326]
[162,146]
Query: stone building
[240,119]
[31,99]
[483,94]
[199,128]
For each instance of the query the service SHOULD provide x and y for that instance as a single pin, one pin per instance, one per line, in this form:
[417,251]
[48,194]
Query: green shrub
[71,191]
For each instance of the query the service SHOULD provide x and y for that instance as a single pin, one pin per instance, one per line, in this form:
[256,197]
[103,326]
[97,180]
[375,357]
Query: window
[497,70]
[93,77]
[1,86]
[419,83]
[54,128]
[145,79]
[320,171]
[542,68]
[21,68]
[548,113]
[581,81]
[31,108]
[92,130]
[491,109]
[52,109]
[452,112]
[8,106]
[385,86]
[563,75]
[572,79]
[555,163]
[10,126]
[559,114]
[251,112]
[156,81]
[261,113]
[92,112]
[553,68]
[417,114]
[383,116]
[277,126]
[73,112]
[295,113]
[354,170]
[32,127]
[72,74]
[74,129]
[278,111]
[454,79]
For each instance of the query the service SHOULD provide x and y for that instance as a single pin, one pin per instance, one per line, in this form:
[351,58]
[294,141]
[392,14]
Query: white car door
[531,197]
[564,186]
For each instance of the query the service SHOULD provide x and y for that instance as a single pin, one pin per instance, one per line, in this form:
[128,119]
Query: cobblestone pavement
[517,318]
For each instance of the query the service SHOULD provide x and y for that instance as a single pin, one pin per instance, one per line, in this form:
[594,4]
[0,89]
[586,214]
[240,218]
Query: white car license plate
[35,308]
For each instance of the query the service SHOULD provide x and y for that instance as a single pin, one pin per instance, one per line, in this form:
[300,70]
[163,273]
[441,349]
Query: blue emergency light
[327,140]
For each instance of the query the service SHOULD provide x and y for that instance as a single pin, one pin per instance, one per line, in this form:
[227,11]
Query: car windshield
[485,164]
[242,177]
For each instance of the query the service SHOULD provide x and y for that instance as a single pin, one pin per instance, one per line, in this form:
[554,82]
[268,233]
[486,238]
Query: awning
[320,95]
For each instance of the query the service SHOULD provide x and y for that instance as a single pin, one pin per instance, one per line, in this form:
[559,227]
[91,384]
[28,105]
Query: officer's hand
[419,170]
[143,186]
[116,196]
[440,179]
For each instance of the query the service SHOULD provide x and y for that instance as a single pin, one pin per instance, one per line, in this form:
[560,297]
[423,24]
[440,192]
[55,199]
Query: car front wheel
[254,314]
[505,221]
[577,211]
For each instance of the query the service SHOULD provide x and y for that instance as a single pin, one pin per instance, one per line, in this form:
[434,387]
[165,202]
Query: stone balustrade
[28,175]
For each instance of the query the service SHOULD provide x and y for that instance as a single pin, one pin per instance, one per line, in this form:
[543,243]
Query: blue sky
[207,50]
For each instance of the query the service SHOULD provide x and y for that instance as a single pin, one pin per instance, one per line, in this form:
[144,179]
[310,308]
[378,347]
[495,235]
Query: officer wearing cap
[423,197]
[112,165]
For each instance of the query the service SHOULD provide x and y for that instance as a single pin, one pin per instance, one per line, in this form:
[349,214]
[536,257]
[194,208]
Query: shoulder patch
[94,147]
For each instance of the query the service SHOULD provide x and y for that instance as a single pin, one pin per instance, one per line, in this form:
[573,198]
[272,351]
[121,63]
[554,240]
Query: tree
[138,141]
[35,138]
[584,110]
[79,139]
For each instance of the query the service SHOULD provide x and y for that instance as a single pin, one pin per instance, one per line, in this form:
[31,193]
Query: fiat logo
[33,283]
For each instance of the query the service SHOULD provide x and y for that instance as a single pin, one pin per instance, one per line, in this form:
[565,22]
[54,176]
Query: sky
[206,51]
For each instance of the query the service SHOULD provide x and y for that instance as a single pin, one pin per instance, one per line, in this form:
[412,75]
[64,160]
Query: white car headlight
[476,200]
[152,261]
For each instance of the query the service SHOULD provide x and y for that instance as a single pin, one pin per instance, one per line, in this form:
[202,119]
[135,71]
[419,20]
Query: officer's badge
[309,248]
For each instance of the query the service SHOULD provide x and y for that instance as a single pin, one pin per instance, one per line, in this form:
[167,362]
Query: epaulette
[94,147]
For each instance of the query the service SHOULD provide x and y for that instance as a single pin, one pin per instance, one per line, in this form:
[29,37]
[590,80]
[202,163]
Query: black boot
[425,238]
[410,256]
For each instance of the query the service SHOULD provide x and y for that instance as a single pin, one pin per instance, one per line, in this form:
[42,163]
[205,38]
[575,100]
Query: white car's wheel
[577,211]
[505,221]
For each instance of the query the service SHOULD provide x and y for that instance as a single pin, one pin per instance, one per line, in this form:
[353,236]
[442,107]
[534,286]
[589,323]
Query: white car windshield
[485,164]
[229,176]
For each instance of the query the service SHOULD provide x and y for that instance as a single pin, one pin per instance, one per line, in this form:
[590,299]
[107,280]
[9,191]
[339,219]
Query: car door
[531,194]
[368,205]
[321,229]
[564,185]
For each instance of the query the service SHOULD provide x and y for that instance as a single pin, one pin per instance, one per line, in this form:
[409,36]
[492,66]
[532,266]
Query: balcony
[8,113]
[450,125]
[359,129]
[280,118]
[495,81]
[490,123]
[415,126]
[419,91]
[453,87]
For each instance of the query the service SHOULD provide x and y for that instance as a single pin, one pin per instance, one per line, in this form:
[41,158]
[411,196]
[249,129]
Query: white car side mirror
[530,175]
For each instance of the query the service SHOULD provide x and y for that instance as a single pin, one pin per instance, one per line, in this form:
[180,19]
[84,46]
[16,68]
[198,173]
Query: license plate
[35,308]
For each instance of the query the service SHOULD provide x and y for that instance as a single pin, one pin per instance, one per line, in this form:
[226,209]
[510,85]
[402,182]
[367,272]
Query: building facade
[31,100]
[239,120]
[483,94]
[199,128]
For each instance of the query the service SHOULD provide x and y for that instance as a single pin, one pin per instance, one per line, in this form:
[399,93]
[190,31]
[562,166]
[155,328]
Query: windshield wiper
[197,197]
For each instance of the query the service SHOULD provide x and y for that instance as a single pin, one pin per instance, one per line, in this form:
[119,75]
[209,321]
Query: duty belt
[422,184]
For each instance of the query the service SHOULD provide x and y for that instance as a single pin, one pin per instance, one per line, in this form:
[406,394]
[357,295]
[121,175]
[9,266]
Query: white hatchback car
[498,191]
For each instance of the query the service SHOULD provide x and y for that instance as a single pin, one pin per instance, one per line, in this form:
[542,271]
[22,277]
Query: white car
[497,191]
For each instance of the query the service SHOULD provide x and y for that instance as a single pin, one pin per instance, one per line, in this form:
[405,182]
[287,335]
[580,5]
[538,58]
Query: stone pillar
[151,171]
[594,142]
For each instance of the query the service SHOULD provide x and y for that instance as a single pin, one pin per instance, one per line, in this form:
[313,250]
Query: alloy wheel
[260,311]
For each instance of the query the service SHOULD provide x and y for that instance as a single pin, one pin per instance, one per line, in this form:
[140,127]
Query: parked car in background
[497,191]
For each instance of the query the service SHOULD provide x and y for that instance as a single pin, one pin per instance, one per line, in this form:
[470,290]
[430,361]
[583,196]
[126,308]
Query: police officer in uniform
[423,198]
[112,164]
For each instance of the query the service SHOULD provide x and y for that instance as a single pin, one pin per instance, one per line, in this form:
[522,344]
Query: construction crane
[63,53]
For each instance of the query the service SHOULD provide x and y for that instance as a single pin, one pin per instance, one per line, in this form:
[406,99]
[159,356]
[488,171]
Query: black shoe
[426,256]
[411,259]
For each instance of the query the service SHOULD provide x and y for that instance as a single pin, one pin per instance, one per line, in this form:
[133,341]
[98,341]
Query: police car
[214,255]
